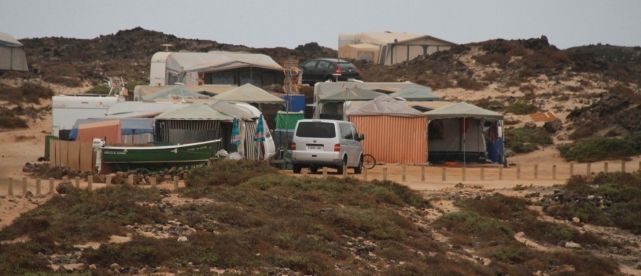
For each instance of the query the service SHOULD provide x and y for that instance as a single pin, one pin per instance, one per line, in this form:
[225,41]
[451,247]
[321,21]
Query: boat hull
[174,155]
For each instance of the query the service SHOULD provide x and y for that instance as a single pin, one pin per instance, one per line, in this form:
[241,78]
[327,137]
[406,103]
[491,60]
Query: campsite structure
[12,55]
[214,67]
[388,48]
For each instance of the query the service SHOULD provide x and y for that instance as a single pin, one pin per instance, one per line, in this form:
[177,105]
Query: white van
[326,143]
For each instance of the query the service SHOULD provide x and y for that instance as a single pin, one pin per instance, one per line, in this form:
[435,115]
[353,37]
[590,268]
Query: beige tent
[360,51]
[12,55]
[248,93]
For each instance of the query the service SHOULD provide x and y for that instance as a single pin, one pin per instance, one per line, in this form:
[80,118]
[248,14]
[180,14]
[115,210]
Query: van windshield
[316,130]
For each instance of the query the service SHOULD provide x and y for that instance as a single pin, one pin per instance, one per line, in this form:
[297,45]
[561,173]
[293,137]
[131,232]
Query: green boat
[151,157]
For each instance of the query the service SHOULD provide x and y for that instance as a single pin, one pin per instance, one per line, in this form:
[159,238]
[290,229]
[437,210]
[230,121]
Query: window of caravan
[315,130]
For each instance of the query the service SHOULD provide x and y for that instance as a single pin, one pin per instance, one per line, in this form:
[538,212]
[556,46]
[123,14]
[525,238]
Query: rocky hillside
[127,53]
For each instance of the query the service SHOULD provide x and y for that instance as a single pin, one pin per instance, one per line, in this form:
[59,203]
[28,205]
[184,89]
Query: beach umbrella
[235,132]
[260,130]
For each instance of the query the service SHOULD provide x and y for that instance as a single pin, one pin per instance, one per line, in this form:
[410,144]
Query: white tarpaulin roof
[233,110]
[462,110]
[9,40]
[415,93]
[139,109]
[194,112]
[351,94]
[384,105]
[218,61]
[324,89]
[248,93]
[174,92]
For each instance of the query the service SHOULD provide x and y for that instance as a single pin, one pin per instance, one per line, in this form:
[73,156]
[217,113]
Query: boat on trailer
[152,157]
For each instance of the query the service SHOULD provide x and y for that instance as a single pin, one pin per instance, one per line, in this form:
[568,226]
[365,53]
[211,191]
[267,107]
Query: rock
[29,194]
[553,126]
[576,220]
[115,266]
[573,245]
[529,125]
[64,187]
[93,267]
[182,239]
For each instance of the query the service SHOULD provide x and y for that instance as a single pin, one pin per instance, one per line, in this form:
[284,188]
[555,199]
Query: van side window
[346,131]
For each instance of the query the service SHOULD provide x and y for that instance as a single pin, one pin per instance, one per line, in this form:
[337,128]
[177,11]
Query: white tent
[248,93]
[12,55]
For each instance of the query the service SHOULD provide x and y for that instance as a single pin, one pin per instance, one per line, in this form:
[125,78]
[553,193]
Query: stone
[576,220]
[182,239]
[93,267]
[115,266]
[573,245]
[553,126]
[64,187]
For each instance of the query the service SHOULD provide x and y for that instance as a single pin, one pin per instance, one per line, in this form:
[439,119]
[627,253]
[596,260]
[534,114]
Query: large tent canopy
[194,112]
[218,61]
[384,105]
[174,92]
[463,110]
[139,109]
[326,89]
[415,93]
[233,110]
[351,94]
[12,55]
[248,93]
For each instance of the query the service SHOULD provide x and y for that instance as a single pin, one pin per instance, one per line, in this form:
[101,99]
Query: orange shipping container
[108,130]
[393,139]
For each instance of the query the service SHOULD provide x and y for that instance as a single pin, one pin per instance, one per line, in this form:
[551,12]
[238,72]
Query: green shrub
[521,108]
[602,148]
[7,121]
[471,223]
[100,89]
[522,140]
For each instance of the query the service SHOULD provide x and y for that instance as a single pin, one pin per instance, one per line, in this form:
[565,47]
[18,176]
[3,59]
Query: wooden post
[605,167]
[38,192]
[571,169]
[130,180]
[422,173]
[404,173]
[24,186]
[51,186]
[639,166]
[501,172]
[108,181]
[464,173]
[444,174]
[623,166]
[588,169]
[176,182]
[89,182]
[77,179]
[482,173]
[344,169]
[385,174]
[324,171]
[10,188]
[365,174]
[152,179]
[554,172]
[536,171]
[518,172]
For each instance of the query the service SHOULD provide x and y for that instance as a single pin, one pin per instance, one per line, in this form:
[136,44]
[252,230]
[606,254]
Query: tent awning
[174,92]
[248,93]
[194,112]
[416,93]
[384,105]
[462,110]
[351,94]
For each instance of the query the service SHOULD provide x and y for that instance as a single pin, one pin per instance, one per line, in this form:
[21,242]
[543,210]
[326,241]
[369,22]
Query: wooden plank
[57,155]
[52,150]
[73,155]
[86,157]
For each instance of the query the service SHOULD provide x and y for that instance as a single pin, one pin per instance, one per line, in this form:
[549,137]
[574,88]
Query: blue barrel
[295,103]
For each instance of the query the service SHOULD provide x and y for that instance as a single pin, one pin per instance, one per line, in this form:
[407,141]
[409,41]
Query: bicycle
[369,162]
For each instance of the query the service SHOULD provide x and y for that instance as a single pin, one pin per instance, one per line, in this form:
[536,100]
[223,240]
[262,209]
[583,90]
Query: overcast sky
[289,23]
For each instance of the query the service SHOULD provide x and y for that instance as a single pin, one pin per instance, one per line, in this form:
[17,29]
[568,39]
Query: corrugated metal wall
[394,139]
[187,131]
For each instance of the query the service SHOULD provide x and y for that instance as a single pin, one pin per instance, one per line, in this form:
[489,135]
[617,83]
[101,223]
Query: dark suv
[323,69]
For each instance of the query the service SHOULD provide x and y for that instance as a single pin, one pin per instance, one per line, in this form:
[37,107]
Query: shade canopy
[139,109]
[9,41]
[233,110]
[194,112]
[384,105]
[174,92]
[219,61]
[248,93]
[351,94]
[463,110]
[415,93]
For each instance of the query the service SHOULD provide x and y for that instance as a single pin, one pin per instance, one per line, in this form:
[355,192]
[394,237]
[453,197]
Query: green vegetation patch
[526,139]
[521,108]
[602,148]
[605,200]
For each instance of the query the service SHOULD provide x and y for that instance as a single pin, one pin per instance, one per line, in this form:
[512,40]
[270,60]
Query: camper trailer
[66,110]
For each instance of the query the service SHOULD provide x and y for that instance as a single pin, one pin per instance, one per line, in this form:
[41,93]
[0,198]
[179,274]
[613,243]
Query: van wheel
[359,168]
[296,168]
[340,169]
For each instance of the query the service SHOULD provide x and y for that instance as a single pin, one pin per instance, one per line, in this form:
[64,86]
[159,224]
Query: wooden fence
[75,155]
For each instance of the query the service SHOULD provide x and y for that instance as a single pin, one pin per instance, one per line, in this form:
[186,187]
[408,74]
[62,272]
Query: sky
[289,23]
